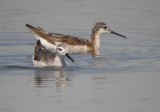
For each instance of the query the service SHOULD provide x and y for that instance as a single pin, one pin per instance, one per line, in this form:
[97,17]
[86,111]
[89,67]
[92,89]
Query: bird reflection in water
[45,76]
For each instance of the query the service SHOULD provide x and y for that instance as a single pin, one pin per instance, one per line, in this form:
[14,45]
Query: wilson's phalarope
[75,44]
[43,57]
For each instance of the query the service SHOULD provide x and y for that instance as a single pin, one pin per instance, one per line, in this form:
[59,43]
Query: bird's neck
[58,60]
[95,40]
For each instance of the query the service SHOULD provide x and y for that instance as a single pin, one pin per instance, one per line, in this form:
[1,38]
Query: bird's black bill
[69,57]
[118,34]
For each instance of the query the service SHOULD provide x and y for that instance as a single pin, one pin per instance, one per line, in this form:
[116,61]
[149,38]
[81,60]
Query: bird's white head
[62,50]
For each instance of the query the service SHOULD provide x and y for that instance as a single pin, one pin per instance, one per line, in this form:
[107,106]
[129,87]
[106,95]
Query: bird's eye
[105,27]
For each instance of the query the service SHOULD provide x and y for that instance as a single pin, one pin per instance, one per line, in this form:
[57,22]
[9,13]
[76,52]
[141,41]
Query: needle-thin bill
[68,56]
[118,34]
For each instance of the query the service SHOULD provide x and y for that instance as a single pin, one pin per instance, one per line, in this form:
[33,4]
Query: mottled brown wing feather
[54,37]
[68,39]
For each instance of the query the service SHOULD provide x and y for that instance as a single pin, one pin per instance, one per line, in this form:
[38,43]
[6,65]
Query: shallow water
[123,78]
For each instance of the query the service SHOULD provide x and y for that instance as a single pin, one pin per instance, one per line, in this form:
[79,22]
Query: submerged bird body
[42,57]
[75,44]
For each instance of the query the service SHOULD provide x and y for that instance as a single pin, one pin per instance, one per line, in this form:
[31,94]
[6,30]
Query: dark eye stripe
[59,49]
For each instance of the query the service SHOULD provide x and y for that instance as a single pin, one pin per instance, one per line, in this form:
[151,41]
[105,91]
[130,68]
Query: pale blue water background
[124,78]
